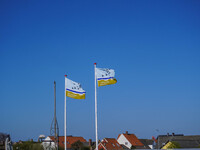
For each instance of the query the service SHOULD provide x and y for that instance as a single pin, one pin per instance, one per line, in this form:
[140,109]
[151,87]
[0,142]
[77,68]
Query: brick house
[48,142]
[130,141]
[109,144]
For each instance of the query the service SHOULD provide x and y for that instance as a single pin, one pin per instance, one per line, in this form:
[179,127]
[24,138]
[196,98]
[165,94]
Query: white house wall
[47,145]
[122,140]
[151,146]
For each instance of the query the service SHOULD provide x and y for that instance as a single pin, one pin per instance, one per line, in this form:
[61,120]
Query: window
[113,145]
[117,144]
[126,143]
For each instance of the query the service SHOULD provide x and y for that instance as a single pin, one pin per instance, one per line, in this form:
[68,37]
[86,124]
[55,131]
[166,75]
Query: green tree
[60,148]
[85,148]
[77,145]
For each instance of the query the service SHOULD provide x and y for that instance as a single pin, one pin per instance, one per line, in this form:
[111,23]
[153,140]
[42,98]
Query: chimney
[90,142]
[126,132]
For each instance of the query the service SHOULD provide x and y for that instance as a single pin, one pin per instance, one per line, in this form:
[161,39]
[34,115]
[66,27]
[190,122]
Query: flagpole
[65,118]
[95,82]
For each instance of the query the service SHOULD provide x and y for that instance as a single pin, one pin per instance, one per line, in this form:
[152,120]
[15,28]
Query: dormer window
[113,145]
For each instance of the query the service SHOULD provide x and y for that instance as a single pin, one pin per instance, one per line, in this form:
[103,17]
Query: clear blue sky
[154,47]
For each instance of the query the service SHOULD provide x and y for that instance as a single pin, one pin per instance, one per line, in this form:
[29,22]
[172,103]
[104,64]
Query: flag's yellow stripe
[75,95]
[107,82]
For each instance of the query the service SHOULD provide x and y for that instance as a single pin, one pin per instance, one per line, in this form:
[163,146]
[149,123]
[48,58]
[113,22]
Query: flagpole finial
[95,63]
[65,76]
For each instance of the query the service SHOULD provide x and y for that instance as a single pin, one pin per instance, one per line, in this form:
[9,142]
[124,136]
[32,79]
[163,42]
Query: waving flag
[74,89]
[105,76]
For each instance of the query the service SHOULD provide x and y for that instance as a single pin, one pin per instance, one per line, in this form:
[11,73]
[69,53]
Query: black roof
[147,142]
[185,141]
[188,143]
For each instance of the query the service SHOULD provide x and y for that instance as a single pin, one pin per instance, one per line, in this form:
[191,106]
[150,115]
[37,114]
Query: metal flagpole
[96,105]
[65,118]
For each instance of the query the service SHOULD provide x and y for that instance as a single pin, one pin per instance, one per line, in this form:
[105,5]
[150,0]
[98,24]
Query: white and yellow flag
[105,76]
[74,89]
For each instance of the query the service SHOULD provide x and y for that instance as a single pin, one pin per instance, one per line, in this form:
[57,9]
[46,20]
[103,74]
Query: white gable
[151,146]
[123,141]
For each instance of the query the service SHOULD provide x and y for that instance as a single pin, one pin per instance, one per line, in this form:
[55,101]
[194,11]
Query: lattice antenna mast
[54,131]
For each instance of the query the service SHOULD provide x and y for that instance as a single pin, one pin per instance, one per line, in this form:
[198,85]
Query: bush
[27,145]
[79,146]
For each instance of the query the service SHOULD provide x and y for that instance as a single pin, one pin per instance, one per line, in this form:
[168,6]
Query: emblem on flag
[105,76]
[74,89]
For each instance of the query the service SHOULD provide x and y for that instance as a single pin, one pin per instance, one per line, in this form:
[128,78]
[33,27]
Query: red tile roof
[110,144]
[70,140]
[133,139]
